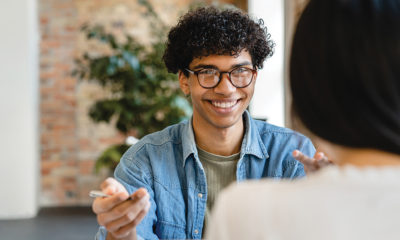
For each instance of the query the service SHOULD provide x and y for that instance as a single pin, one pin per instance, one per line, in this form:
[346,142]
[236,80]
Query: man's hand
[312,164]
[120,213]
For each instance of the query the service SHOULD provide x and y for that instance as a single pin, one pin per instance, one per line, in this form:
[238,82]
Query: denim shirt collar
[251,144]
[188,141]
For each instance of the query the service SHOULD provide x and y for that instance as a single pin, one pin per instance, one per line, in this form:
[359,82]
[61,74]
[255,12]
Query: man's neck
[220,141]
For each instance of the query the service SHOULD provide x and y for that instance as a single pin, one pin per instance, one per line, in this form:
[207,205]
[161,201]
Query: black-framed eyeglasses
[240,77]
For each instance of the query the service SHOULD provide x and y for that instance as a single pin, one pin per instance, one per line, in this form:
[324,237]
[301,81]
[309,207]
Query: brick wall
[59,146]
[70,141]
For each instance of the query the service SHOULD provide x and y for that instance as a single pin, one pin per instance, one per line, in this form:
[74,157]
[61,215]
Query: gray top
[220,172]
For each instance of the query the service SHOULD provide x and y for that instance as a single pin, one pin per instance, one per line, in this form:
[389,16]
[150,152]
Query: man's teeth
[224,104]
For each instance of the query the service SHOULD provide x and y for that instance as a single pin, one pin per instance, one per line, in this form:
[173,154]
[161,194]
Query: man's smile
[224,103]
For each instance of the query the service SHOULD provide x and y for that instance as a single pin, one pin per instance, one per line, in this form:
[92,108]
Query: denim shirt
[166,163]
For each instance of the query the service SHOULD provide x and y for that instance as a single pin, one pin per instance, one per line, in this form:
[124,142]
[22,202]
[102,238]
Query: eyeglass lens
[240,77]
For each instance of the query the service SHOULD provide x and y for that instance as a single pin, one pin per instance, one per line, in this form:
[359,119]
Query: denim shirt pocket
[171,209]
[166,230]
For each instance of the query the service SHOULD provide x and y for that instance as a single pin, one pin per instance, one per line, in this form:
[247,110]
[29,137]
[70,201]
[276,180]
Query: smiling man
[166,184]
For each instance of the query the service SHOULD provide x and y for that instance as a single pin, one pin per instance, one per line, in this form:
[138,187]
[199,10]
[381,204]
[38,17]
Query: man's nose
[225,86]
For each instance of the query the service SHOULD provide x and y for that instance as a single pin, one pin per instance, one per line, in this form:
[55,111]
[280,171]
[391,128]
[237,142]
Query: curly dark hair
[210,31]
[345,72]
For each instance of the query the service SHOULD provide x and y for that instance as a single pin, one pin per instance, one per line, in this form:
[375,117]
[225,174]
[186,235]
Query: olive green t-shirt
[220,172]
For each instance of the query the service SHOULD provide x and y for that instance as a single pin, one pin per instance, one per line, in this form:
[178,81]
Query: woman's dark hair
[345,72]
[211,31]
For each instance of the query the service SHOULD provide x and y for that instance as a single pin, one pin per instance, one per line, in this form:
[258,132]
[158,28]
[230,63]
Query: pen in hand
[97,193]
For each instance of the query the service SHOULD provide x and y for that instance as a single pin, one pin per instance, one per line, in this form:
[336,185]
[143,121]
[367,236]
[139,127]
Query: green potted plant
[144,97]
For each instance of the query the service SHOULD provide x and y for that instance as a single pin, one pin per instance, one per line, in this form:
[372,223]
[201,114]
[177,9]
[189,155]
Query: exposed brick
[48,166]
[86,167]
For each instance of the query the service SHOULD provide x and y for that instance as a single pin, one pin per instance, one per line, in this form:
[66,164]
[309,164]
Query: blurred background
[79,77]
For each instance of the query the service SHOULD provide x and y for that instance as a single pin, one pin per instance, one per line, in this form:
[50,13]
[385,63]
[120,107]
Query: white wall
[268,100]
[19,151]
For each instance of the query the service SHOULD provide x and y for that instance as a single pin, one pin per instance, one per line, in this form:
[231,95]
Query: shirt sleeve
[133,172]
[102,233]
[294,168]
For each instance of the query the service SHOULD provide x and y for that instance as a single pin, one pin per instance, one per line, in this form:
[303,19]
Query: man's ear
[255,76]
[184,82]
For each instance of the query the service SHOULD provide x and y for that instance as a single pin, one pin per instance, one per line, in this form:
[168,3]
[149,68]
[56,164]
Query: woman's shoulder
[328,184]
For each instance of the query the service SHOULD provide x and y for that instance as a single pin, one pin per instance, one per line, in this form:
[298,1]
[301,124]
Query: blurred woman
[345,81]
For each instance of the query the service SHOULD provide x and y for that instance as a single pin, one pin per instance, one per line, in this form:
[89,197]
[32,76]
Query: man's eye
[240,70]
[208,71]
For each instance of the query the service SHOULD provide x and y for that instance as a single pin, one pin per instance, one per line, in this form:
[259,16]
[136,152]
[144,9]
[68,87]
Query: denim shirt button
[196,231]
[200,195]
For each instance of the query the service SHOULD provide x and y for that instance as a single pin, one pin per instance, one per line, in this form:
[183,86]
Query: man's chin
[226,123]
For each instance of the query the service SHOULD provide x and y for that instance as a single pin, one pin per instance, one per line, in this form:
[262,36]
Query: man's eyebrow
[241,64]
[245,63]
[205,66]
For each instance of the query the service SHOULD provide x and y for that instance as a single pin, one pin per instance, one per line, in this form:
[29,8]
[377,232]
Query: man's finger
[138,194]
[124,231]
[124,213]
[319,156]
[305,160]
[101,205]
[322,160]
[142,214]
[112,186]
[107,182]
[131,206]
